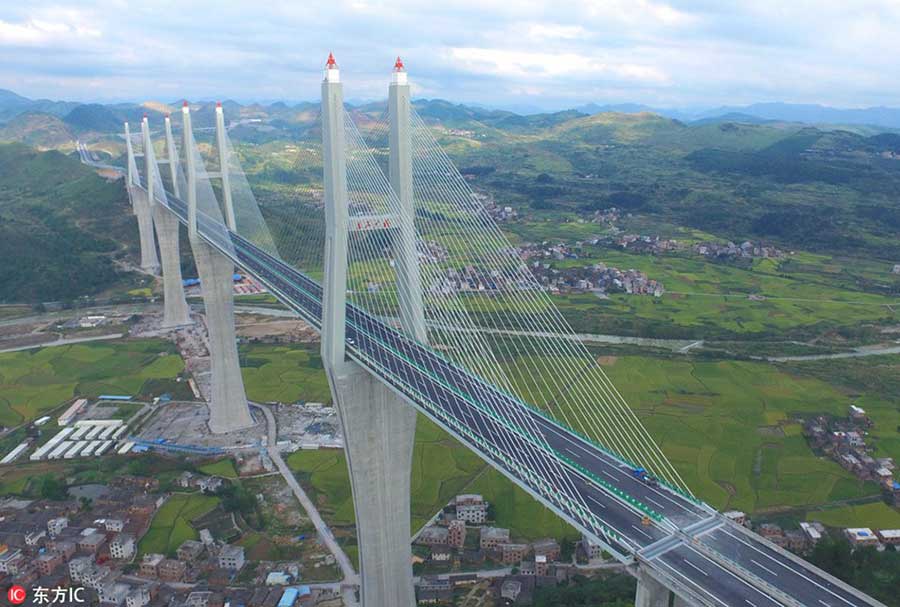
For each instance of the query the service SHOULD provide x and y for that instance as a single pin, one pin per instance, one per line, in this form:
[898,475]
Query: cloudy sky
[505,53]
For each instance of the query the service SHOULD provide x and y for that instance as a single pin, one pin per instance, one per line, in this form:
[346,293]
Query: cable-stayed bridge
[409,280]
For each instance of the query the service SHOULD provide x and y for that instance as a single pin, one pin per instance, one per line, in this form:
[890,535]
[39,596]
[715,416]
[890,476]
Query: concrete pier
[378,426]
[175,308]
[651,593]
[378,435]
[228,408]
[149,260]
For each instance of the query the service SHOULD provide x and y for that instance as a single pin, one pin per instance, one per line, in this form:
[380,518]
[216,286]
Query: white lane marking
[596,501]
[691,582]
[824,603]
[766,598]
[654,502]
[763,567]
[785,566]
[642,532]
[749,602]
[695,567]
[608,474]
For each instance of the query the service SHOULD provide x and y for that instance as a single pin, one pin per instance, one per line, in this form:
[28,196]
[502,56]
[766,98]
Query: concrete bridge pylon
[228,407]
[175,308]
[141,207]
[379,428]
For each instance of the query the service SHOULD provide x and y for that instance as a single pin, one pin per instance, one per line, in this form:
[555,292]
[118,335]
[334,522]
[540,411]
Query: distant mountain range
[47,124]
[12,105]
[762,112]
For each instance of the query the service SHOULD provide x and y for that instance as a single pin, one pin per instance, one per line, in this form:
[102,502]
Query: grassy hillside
[43,131]
[60,226]
[808,188]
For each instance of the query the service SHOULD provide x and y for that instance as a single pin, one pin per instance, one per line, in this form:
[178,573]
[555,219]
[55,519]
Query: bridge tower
[175,308]
[409,282]
[141,206]
[228,408]
[378,427]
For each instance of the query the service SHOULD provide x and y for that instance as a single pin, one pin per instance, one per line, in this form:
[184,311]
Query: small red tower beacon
[332,73]
[399,75]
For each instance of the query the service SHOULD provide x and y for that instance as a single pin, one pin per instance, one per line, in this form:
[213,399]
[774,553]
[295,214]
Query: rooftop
[861,532]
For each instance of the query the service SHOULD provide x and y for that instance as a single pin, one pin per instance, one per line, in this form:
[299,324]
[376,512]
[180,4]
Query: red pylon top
[145,115]
[398,65]
[218,104]
[185,104]
[331,63]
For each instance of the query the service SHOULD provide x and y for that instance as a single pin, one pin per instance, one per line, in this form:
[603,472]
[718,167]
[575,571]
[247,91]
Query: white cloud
[536,65]
[675,52]
[549,31]
[48,27]
[643,12]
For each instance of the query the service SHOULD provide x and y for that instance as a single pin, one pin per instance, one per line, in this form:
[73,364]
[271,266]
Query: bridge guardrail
[645,509]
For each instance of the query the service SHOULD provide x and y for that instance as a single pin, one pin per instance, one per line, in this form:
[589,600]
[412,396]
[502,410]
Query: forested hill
[60,226]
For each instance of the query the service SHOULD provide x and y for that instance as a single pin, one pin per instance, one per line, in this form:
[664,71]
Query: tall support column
[650,593]
[141,205]
[228,409]
[378,426]
[175,308]
[409,282]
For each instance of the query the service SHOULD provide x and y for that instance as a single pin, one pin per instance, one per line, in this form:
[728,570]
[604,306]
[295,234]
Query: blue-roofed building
[114,397]
[289,597]
[293,594]
[861,536]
